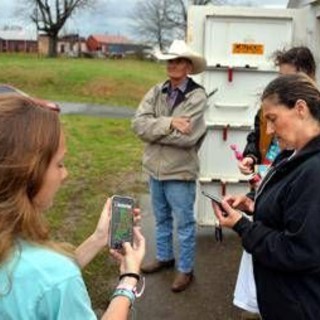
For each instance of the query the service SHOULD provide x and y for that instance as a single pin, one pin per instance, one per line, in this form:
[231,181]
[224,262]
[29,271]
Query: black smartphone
[216,199]
[121,224]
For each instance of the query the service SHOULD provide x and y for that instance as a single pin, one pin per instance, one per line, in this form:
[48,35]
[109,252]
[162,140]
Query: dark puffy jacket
[284,238]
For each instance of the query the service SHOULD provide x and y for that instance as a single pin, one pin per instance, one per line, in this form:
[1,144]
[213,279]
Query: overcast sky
[109,17]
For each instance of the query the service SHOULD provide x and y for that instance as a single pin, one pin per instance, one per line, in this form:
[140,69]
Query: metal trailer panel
[236,101]
[197,14]
[217,160]
[219,173]
[224,31]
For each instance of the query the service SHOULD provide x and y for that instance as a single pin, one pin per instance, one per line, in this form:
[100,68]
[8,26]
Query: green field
[104,156]
[103,81]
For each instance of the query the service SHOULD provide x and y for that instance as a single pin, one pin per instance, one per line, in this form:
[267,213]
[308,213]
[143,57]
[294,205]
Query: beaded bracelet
[141,284]
[125,293]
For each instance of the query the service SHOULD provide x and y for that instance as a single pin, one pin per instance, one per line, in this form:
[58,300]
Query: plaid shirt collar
[181,87]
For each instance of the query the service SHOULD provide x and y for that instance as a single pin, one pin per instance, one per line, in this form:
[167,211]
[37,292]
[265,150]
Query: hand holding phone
[121,223]
[216,200]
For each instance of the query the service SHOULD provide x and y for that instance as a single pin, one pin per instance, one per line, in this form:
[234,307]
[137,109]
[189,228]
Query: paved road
[96,110]
[210,295]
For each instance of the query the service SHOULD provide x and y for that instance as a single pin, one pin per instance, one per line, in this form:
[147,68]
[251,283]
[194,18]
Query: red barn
[109,45]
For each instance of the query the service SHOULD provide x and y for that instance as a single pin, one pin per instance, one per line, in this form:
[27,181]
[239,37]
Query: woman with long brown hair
[40,278]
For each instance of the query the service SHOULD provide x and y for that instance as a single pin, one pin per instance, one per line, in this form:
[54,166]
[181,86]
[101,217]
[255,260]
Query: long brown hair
[29,138]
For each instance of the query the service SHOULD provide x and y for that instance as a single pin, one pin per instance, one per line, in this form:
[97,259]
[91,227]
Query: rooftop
[20,34]
[111,39]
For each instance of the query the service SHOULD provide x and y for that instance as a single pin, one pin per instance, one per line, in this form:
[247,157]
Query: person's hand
[241,202]
[130,258]
[182,124]
[227,218]
[136,216]
[246,165]
[101,232]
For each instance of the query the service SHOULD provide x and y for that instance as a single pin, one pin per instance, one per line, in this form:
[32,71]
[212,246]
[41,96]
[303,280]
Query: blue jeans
[174,199]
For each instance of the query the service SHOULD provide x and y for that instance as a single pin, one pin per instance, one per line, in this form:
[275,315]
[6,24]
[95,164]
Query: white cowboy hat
[179,49]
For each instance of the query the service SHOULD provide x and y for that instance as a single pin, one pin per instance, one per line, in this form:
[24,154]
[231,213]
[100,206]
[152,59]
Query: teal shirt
[38,283]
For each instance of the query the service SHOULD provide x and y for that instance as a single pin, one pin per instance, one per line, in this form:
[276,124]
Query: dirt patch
[99,88]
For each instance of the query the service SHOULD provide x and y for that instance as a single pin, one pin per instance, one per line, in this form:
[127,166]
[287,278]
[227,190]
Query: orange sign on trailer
[246,48]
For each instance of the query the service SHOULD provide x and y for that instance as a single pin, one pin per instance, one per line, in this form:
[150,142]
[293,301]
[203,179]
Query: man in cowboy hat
[170,121]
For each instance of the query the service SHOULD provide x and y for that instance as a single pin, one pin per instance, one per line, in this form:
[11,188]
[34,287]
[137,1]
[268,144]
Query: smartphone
[216,199]
[121,224]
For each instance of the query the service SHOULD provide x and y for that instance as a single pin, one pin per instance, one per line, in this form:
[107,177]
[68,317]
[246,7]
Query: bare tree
[150,23]
[159,21]
[51,15]
[178,14]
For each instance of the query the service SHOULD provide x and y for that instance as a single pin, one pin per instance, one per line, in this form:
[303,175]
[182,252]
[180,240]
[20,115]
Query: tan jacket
[169,154]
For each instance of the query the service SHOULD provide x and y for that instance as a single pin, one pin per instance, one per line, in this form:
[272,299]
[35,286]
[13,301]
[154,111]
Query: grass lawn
[103,81]
[103,158]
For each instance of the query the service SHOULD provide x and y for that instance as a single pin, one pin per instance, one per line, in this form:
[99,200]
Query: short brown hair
[300,57]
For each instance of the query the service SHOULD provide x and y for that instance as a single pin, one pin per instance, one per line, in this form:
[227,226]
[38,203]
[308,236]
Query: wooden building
[18,40]
[112,46]
[72,45]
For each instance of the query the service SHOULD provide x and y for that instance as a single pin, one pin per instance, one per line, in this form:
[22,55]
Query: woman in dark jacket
[284,238]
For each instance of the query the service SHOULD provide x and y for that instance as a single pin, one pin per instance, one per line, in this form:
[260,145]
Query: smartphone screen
[121,221]
[216,199]
[212,197]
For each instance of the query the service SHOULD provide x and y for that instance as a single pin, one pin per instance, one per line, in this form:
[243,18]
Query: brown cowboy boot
[157,265]
[182,281]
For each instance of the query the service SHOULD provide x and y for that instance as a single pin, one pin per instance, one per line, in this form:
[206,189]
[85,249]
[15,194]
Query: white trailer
[238,43]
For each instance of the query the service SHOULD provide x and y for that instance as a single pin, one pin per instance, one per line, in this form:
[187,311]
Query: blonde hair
[29,138]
